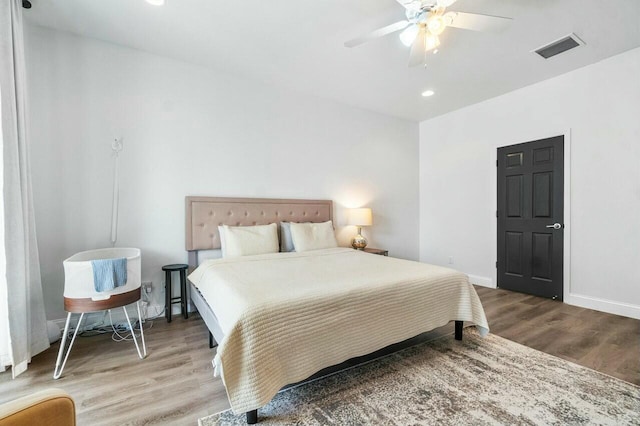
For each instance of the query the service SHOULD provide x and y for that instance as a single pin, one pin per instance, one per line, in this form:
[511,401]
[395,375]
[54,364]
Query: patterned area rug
[477,381]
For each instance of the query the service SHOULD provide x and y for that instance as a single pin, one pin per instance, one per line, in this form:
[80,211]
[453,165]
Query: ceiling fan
[426,20]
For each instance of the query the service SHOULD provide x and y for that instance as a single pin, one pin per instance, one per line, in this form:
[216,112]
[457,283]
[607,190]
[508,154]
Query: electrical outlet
[147,286]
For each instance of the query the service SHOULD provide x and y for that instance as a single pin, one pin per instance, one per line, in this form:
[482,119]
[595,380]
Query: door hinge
[497,213]
[496,263]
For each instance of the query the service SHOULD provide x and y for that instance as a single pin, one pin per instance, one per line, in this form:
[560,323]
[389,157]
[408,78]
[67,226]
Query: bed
[281,317]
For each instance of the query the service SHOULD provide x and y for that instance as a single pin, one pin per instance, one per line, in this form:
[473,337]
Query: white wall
[599,106]
[190,131]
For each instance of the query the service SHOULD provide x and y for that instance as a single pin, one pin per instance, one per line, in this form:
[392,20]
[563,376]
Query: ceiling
[298,44]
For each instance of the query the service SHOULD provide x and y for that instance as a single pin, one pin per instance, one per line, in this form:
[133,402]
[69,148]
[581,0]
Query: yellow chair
[51,407]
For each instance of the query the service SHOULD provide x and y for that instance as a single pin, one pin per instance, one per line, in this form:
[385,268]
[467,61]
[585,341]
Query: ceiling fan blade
[445,3]
[400,25]
[414,5]
[418,48]
[478,22]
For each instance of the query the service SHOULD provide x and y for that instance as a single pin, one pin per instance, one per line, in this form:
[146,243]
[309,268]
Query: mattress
[286,316]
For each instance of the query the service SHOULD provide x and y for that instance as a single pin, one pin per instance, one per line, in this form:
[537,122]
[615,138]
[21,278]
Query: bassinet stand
[85,305]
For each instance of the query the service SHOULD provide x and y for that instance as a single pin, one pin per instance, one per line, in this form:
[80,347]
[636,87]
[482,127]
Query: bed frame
[205,214]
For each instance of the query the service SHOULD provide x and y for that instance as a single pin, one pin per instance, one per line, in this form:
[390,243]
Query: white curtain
[23,326]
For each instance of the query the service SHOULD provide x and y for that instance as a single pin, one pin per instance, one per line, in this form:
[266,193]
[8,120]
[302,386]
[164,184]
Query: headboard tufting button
[317,213]
[210,212]
[202,225]
[262,213]
[255,223]
[230,213]
[246,213]
[304,213]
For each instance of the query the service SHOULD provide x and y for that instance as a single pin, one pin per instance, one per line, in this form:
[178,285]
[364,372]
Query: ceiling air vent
[559,46]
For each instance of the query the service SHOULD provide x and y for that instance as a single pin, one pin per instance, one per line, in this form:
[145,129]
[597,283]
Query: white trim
[90,320]
[59,322]
[566,261]
[482,281]
[494,222]
[604,305]
[101,318]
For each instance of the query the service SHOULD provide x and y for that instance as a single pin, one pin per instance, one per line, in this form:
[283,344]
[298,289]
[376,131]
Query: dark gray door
[530,217]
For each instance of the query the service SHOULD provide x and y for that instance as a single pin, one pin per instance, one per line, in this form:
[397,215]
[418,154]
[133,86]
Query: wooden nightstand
[376,251]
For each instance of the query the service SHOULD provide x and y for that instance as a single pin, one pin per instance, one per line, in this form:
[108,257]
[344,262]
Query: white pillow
[222,242]
[313,236]
[238,241]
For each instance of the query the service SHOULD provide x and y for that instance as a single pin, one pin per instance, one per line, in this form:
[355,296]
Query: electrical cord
[127,334]
[145,298]
[157,314]
[121,332]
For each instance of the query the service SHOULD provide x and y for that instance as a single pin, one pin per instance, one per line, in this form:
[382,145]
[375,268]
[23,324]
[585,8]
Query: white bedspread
[286,316]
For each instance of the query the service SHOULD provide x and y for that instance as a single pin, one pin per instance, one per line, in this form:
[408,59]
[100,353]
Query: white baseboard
[483,281]
[604,305]
[90,320]
[61,321]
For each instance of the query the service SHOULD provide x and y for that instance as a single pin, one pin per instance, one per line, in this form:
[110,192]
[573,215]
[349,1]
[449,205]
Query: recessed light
[156,2]
[428,93]
[435,51]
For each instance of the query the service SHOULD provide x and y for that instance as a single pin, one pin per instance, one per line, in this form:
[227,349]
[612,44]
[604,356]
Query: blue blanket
[109,273]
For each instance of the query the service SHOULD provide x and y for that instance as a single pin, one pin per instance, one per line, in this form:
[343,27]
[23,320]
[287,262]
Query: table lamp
[360,217]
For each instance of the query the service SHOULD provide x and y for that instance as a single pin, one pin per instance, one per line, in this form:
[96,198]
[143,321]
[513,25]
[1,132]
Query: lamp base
[359,242]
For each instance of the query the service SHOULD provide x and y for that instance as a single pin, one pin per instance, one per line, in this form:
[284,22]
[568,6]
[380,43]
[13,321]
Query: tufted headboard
[205,214]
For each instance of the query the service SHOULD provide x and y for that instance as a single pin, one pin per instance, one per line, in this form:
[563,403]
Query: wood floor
[174,385]
[604,342]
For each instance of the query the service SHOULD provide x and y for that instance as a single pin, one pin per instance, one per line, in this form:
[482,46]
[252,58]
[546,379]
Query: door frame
[566,257]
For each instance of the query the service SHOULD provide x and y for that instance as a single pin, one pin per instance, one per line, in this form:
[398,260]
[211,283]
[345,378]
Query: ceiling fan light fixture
[426,20]
[431,41]
[436,24]
[428,93]
[408,36]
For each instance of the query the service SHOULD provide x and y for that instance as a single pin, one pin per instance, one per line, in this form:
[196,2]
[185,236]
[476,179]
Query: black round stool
[168,299]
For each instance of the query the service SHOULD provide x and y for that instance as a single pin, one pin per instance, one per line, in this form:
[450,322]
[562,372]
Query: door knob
[555,226]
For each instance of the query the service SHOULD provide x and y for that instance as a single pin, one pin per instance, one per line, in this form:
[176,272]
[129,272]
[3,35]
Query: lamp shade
[360,217]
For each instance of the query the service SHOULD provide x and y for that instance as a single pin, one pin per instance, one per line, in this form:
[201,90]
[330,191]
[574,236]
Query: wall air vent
[559,46]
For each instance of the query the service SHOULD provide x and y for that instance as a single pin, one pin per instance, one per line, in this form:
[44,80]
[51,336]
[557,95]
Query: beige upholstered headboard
[205,214]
